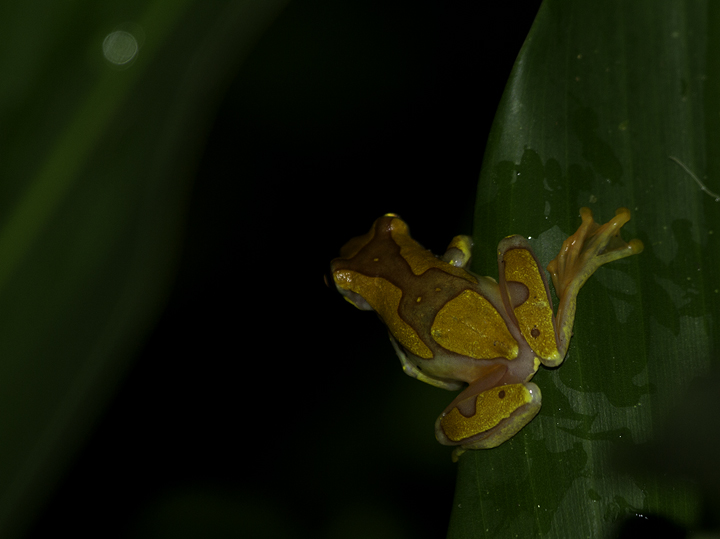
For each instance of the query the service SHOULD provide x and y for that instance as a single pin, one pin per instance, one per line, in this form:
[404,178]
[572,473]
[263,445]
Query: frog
[457,330]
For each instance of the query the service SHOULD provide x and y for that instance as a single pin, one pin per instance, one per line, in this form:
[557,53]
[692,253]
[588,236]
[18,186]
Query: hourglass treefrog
[451,327]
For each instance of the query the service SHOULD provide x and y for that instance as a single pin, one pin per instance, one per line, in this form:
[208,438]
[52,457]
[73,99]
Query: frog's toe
[591,246]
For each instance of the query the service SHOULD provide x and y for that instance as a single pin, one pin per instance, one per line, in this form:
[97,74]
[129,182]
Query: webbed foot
[591,246]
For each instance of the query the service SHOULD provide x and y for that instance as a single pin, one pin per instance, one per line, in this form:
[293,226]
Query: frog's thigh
[529,296]
[485,419]
[412,370]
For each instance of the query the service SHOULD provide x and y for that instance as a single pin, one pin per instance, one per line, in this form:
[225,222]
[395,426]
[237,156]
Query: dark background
[262,404]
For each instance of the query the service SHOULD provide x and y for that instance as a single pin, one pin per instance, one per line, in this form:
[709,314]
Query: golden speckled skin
[451,327]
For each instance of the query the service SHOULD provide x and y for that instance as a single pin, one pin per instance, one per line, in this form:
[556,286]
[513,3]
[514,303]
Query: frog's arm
[590,247]
[413,371]
[459,252]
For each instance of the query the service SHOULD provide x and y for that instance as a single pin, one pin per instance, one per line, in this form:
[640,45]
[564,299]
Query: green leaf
[99,145]
[602,97]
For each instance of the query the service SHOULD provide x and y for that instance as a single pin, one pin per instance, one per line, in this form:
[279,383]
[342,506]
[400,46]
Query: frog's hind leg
[591,246]
[483,417]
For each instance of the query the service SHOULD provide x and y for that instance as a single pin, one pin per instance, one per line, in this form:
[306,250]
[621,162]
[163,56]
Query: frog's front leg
[459,252]
[591,246]
[414,371]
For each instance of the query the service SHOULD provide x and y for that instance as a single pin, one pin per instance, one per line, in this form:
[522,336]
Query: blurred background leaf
[601,97]
[104,107]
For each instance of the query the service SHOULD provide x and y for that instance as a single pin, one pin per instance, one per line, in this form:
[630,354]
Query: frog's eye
[481,420]
[350,285]
[356,299]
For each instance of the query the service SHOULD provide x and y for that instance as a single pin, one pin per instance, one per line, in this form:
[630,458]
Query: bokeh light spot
[120,47]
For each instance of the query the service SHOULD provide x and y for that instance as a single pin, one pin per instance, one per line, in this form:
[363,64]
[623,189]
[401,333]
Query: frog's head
[376,240]
[363,257]
[343,280]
